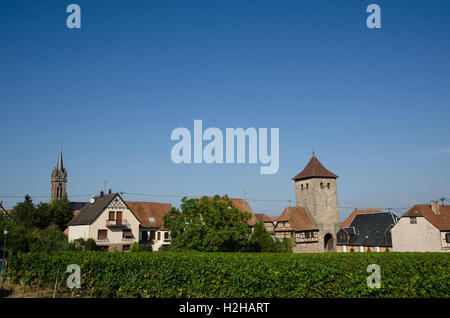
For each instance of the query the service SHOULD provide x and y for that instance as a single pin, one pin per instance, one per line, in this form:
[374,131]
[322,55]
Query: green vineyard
[235,274]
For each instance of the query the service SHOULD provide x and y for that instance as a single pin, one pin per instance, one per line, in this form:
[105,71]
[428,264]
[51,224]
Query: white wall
[78,231]
[419,237]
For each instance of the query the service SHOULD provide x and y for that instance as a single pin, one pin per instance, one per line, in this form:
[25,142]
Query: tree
[60,212]
[51,239]
[260,240]
[212,225]
[285,245]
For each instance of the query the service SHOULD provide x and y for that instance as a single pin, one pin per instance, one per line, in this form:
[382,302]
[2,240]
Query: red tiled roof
[298,217]
[146,210]
[440,221]
[314,168]
[261,217]
[352,215]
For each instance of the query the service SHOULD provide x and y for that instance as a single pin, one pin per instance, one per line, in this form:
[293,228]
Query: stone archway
[328,243]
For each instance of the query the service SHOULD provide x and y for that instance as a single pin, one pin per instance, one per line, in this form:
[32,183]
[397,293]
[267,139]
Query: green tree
[51,239]
[285,245]
[24,213]
[60,212]
[261,241]
[211,225]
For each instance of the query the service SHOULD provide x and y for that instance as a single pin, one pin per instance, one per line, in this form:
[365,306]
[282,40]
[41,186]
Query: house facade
[296,223]
[269,222]
[115,224]
[423,228]
[366,230]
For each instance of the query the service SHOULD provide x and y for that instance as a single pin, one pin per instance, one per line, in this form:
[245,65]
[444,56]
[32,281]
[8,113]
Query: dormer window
[413,220]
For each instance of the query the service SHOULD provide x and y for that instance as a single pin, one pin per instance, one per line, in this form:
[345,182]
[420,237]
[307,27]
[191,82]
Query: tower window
[328,185]
[302,186]
[321,185]
[307,186]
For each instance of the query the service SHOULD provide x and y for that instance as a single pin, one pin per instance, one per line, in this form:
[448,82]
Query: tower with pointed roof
[59,180]
[316,190]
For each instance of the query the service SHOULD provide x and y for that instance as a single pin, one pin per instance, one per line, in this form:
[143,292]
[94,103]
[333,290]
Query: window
[119,217]
[102,234]
[302,186]
[343,237]
[307,234]
[126,233]
[159,236]
[126,248]
[152,235]
[328,185]
[111,216]
[321,185]
[166,235]
[447,237]
[307,186]
[361,248]
[144,236]
[413,220]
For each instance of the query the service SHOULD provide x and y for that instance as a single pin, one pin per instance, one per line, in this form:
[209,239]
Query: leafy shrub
[135,247]
[90,245]
[237,274]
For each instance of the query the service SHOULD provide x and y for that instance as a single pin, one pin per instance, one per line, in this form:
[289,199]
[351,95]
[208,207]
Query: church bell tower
[59,180]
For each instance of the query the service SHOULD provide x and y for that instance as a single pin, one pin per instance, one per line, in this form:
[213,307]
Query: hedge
[237,274]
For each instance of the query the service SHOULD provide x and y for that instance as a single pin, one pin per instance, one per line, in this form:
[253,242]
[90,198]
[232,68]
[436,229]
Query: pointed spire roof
[59,165]
[314,169]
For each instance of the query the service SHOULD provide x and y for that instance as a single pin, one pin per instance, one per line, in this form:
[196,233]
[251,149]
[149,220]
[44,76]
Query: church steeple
[59,180]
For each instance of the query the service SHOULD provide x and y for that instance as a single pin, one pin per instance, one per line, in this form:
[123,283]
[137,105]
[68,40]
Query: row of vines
[236,274]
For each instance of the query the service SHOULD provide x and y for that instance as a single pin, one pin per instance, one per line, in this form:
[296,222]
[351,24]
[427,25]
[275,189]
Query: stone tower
[59,180]
[316,190]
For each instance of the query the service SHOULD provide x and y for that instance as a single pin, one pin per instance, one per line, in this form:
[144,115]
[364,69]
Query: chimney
[435,207]
[101,193]
[109,191]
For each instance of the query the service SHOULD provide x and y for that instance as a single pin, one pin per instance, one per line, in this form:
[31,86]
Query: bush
[145,248]
[135,247]
[235,275]
[90,245]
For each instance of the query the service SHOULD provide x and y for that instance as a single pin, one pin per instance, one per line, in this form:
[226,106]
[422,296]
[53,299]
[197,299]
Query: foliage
[28,223]
[285,245]
[51,239]
[135,247]
[261,241]
[235,275]
[209,225]
[90,245]
[145,248]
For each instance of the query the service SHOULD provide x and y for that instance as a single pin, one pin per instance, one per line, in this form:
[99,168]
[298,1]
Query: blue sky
[373,104]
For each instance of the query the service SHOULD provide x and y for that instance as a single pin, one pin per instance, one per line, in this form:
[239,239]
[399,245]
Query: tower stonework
[59,180]
[316,190]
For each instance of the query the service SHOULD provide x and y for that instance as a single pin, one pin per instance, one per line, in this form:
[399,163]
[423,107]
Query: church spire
[59,165]
[59,179]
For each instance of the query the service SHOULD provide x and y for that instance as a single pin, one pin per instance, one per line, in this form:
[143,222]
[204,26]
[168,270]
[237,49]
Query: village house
[366,230]
[116,224]
[423,228]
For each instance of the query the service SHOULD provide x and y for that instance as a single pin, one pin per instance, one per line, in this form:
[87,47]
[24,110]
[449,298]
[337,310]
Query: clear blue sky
[374,104]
